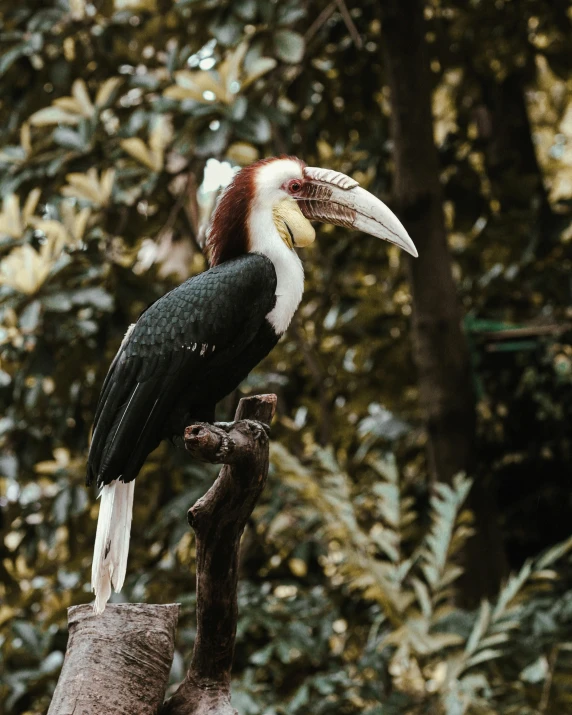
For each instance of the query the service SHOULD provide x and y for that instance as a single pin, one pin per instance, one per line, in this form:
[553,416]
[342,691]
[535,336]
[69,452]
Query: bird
[196,344]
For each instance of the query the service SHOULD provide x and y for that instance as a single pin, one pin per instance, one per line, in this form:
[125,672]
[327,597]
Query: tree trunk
[439,346]
[510,157]
[116,662]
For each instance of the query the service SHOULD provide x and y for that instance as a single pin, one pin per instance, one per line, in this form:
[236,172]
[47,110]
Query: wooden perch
[218,519]
[118,662]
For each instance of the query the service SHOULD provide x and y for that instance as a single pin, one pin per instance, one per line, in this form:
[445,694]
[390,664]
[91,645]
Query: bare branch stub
[218,519]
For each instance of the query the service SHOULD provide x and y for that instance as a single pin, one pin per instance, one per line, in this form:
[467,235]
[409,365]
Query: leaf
[382,423]
[242,153]
[96,296]
[30,317]
[66,137]
[245,9]
[139,150]
[553,554]
[423,598]
[30,205]
[255,127]
[57,302]
[227,31]
[263,656]
[106,90]
[483,656]
[12,154]
[77,9]
[61,506]
[28,634]
[106,185]
[288,13]
[535,672]
[56,237]
[495,639]
[237,111]
[512,587]
[52,662]
[213,142]
[68,104]
[80,93]
[177,92]
[160,136]
[89,187]
[257,68]
[229,69]
[480,627]
[289,46]
[23,270]
[8,58]
[53,115]
[10,222]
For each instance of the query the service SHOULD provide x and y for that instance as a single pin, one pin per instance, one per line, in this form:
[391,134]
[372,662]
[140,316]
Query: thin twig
[545,697]
[352,29]
[527,332]
[322,18]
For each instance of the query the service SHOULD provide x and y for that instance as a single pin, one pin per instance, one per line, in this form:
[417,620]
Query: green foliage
[440,658]
[108,114]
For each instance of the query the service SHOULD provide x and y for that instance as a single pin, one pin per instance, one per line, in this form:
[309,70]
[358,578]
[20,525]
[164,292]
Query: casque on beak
[332,197]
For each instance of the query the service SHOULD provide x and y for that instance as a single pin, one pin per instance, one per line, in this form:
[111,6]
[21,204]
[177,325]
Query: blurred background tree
[119,122]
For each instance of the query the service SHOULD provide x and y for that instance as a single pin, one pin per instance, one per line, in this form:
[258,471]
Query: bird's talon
[224,426]
[225,444]
[258,428]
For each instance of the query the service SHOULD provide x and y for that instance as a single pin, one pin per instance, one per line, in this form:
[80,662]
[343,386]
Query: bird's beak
[332,197]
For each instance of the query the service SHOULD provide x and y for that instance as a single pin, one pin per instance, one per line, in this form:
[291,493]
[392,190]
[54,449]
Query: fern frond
[446,535]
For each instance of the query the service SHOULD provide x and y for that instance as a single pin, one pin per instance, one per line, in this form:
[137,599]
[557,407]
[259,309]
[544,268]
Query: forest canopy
[360,592]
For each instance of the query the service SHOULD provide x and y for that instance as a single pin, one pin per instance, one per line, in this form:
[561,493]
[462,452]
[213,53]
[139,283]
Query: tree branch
[349,23]
[218,519]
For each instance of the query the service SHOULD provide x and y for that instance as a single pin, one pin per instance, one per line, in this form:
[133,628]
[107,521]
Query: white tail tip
[111,541]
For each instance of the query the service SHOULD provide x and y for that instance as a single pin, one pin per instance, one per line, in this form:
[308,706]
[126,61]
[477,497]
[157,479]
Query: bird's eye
[294,186]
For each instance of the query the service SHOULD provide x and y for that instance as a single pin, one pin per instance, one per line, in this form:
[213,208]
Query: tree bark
[218,519]
[117,662]
[439,346]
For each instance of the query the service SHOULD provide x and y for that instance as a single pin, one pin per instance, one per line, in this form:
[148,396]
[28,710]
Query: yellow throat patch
[293,227]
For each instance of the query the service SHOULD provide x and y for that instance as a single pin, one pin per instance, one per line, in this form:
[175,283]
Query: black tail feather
[125,432]
[107,410]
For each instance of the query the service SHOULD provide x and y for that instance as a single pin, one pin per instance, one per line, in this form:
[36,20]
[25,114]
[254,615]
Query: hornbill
[197,343]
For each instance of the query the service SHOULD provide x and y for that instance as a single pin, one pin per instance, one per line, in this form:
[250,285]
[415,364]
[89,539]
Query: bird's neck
[264,239]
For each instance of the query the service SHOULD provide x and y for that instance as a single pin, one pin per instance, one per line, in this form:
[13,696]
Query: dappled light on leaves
[351,564]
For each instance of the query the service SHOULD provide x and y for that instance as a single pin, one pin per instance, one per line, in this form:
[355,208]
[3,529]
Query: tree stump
[117,662]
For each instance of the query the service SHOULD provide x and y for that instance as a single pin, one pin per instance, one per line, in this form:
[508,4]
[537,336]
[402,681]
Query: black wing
[175,343]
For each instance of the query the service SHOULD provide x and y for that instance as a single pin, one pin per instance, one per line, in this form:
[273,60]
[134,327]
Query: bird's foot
[256,426]
[260,430]
[225,426]
[224,442]
[220,430]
